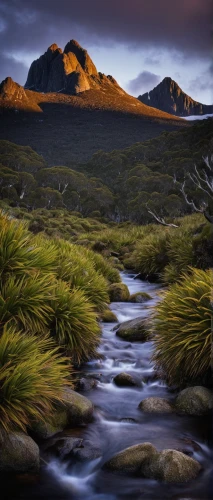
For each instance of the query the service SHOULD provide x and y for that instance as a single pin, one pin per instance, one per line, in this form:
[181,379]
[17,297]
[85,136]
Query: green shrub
[25,301]
[151,254]
[74,323]
[32,378]
[18,254]
[78,270]
[183,328]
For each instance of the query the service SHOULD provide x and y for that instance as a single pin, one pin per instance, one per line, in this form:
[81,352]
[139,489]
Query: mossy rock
[194,401]
[80,409]
[99,246]
[18,453]
[140,297]
[130,460]
[108,316]
[134,330]
[119,292]
[171,466]
[54,424]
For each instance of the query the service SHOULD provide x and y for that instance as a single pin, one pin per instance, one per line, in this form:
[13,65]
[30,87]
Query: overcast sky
[139,42]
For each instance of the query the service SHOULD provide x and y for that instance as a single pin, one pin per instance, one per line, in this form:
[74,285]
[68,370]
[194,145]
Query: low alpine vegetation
[32,377]
[51,296]
[183,328]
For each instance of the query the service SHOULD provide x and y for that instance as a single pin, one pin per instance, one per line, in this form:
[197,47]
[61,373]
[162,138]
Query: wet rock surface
[125,380]
[156,405]
[171,466]
[194,401]
[134,330]
[130,460]
[79,408]
[18,453]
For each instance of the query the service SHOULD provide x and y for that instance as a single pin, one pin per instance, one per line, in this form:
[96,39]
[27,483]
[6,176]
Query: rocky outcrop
[194,401]
[71,71]
[18,453]
[169,97]
[82,56]
[12,90]
[133,330]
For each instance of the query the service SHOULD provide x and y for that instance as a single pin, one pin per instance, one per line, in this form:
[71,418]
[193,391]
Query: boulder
[99,246]
[19,453]
[62,447]
[53,425]
[86,384]
[130,460]
[133,330]
[125,380]
[119,292]
[79,408]
[140,297]
[108,316]
[171,466]
[155,405]
[194,401]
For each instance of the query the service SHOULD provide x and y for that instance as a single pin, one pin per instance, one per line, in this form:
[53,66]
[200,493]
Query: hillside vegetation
[117,185]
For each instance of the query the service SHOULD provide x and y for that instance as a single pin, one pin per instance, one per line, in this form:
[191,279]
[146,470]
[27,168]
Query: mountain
[169,97]
[67,110]
[71,71]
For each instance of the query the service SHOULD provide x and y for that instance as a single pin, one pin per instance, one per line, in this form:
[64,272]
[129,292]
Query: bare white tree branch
[160,220]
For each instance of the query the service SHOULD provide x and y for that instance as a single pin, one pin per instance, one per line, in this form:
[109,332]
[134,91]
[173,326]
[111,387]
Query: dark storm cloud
[31,25]
[202,82]
[144,82]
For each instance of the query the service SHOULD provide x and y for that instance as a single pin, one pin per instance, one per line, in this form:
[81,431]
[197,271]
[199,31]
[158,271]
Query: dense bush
[74,323]
[47,287]
[32,377]
[183,328]
[35,271]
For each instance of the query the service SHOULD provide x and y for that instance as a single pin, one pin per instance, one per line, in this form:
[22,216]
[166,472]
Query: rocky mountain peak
[168,96]
[68,71]
[11,90]
[53,47]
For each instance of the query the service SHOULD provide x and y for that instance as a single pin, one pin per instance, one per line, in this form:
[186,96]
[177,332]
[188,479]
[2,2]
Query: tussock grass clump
[151,254]
[32,376]
[77,269]
[74,323]
[183,328]
[18,253]
[26,301]
[103,266]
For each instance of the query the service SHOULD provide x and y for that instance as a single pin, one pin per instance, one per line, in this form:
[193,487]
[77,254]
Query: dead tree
[204,182]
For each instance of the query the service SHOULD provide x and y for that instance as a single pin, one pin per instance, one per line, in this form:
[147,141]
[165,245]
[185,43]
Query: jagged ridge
[169,97]
[71,71]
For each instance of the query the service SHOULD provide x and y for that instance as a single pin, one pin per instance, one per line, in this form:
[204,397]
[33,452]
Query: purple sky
[139,42]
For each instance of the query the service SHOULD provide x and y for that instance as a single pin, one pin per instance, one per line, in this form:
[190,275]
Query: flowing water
[118,423]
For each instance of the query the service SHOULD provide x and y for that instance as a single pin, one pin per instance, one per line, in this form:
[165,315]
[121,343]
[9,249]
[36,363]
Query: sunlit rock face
[169,97]
[11,90]
[57,71]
